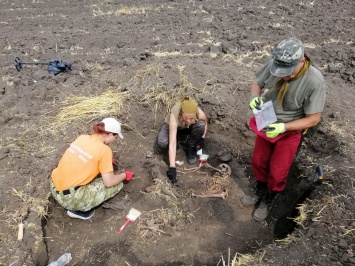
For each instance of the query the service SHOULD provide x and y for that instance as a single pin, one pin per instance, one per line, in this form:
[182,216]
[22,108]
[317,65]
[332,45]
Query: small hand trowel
[132,215]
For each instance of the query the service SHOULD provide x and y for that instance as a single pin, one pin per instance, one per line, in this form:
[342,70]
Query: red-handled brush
[203,158]
[132,215]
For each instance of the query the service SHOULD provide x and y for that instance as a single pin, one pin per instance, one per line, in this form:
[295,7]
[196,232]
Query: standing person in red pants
[297,91]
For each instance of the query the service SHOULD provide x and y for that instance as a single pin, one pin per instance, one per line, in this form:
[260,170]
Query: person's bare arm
[202,116]
[172,140]
[255,89]
[303,123]
[110,179]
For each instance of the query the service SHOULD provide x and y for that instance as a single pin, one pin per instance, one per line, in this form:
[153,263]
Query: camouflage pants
[86,197]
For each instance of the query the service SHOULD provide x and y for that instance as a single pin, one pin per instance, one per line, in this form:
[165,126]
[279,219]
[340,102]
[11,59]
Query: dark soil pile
[151,53]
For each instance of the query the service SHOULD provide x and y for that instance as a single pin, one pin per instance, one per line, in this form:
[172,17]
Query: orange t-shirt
[86,157]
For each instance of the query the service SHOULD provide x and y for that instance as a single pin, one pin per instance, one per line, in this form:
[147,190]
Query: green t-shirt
[305,95]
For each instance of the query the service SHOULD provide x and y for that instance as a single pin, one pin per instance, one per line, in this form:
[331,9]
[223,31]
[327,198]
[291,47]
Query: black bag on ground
[312,130]
[55,67]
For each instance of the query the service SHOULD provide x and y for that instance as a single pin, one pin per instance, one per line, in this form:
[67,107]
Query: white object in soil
[63,260]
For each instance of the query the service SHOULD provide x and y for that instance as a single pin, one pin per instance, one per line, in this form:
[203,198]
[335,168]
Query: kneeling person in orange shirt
[76,183]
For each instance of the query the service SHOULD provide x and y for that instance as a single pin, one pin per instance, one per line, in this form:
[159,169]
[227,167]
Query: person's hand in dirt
[256,102]
[129,176]
[274,130]
[171,173]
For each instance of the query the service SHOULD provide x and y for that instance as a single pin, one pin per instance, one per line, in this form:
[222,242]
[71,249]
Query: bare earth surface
[145,54]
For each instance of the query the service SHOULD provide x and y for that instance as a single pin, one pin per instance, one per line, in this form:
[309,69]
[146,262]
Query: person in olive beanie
[184,116]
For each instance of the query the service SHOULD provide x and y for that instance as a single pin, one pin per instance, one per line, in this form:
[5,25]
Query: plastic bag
[265,116]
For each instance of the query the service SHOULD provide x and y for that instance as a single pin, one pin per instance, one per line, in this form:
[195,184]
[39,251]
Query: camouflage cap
[286,57]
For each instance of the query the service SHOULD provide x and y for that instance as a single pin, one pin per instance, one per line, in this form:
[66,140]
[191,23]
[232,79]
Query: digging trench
[280,222]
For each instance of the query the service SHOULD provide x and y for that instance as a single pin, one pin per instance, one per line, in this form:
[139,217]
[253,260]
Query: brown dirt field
[140,57]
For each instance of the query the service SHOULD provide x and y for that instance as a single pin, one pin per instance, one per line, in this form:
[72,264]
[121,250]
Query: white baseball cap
[112,125]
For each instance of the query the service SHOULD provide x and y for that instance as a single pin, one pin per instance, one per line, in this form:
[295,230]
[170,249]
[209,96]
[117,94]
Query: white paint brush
[132,215]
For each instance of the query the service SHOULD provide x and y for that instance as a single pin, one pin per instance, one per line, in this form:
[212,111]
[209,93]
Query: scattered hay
[131,10]
[152,224]
[109,103]
[167,54]
[157,98]
[148,86]
[8,80]
[303,214]
[122,11]
[243,259]
[92,66]
[287,240]
[30,203]
[247,59]
[10,219]
[37,234]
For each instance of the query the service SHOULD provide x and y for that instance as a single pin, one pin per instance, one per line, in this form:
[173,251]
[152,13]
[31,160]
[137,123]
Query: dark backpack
[55,67]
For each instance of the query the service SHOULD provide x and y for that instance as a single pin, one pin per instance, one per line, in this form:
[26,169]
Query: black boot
[259,192]
[159,150]
[265,206]
[191,155]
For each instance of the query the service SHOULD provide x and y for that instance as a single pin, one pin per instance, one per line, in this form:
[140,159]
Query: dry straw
[109,103]
[148,86]
[242,259]
[301,218]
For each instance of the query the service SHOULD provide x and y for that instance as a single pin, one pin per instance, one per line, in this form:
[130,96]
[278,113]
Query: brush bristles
[134,212]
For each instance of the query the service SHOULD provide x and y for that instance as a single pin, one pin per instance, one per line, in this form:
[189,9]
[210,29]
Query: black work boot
[260,190]
[264,207]
[191,155]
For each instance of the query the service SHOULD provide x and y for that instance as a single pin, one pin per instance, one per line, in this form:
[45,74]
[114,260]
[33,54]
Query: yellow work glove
[256,102]
[275,129]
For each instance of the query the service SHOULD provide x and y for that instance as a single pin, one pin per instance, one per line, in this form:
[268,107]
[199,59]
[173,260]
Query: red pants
[272,161]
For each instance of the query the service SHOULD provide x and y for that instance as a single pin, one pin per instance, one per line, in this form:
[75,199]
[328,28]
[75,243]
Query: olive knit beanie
[188,105]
